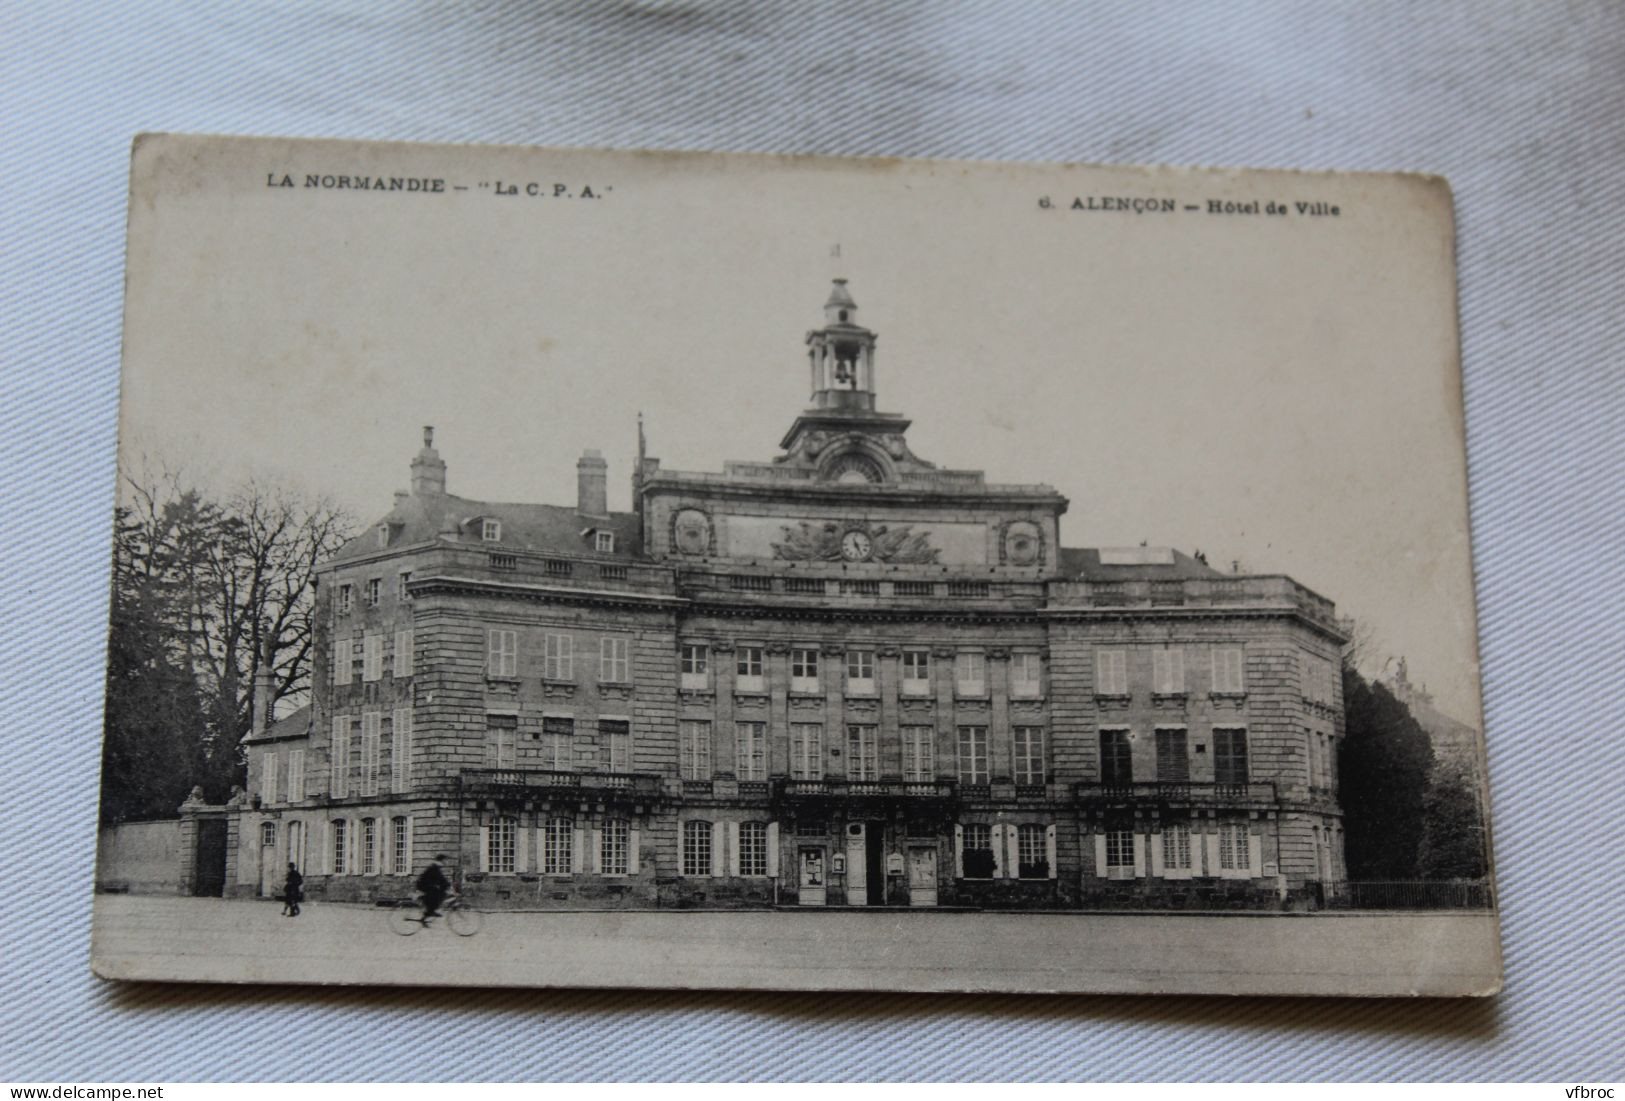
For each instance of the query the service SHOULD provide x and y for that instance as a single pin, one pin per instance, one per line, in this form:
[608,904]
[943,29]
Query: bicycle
[407,917]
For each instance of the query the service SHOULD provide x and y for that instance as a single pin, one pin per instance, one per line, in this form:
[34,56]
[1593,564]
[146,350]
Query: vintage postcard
[1051,578]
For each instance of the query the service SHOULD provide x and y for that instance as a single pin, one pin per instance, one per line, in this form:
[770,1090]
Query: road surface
[214,940]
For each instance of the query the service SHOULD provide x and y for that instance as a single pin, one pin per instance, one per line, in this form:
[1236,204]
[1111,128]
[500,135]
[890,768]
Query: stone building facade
[842,677]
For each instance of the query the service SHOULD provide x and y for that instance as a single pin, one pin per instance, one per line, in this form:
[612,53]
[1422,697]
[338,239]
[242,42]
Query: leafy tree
[205,591]
[1384,766]
[1453,841]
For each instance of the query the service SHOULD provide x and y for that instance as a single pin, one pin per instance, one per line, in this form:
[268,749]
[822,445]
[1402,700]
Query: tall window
[346,599]
[339,758]
[1111,673]
[615,744]
[1028,747]
[502,653]
[803,670]
[919,753]
[558,733]
[748,669]
[973,754]
[268,777]
[615,659]
[375,591]
[695,750]
[970,673]
[400,858]
[696,848]
[402,662]
[1229,755]
[403,579]
[917,672]
[296,844]
[862,752]
[1233,856]
[296,775]
[339,831]
[1119,849]
[614,847]
[1026,676]
[694,663]
[372,657]
[1168,672]
[558,838]
[369,846]
[1228,677]
[806,751]
[1116,761]
[558,656]
[752,759]
[501,738]
[977,851]
[1173,756]
[343,661]
[400,749]
[372,725]
[1176,846]
[500,844]
[860,672]
[753,848]
[1032,852]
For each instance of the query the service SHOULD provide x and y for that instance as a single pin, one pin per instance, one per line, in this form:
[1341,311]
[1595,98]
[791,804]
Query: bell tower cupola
[841,356]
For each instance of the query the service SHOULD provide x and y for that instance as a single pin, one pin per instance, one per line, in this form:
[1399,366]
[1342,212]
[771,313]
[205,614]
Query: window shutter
[409,863]
[578,849]
[633,841]
[1157,867]
[341,661]
[400,750]
[380,838]
[959,851]
[403,654]
[1012,850]
[268,777]
[773,849]
[339,758]
[1210,842]
[1100,852]
[1139,855]
[1255,854]
[996,839]
[718,836]
[733,848]
[595,851]
[521,848]
[1049,848]
[485,848]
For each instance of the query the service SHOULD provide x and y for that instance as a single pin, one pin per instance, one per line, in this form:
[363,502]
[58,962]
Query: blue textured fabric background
[1522,106]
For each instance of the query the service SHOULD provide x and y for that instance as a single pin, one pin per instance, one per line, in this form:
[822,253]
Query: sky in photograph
[1278,390]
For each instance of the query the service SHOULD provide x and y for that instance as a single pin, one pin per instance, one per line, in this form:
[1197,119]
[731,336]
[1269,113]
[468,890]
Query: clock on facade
[855,546]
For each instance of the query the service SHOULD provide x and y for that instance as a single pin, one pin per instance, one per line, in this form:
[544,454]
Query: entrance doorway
[268,868]
[922,877]
[875,863]
[810,875]
[209,859]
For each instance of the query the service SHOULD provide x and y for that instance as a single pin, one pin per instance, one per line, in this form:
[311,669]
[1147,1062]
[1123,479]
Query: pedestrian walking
[293,891]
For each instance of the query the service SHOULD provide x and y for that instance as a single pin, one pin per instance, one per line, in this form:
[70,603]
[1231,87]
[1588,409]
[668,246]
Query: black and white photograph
[584,569]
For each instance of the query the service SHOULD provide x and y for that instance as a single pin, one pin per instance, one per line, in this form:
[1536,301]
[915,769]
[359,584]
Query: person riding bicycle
[433,887]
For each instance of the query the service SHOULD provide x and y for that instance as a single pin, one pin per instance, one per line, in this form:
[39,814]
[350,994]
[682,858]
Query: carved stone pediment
[809,541]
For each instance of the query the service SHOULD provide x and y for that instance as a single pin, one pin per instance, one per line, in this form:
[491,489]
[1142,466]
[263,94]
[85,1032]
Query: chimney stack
[260,705]
[592,484]
[428,472]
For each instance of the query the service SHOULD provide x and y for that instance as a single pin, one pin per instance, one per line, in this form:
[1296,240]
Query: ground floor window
[400,840]
[1233,847]
[696,848]
[341,834]
[614,847]
[267,834]
[977,850]
[296,844]
[499,845]
[1119,848]
[557,839]
[369,846]
[753,848]
[1032,852]
[1176,847]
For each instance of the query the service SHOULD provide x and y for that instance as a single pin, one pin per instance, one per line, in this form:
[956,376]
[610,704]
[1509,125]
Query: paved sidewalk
[211,940]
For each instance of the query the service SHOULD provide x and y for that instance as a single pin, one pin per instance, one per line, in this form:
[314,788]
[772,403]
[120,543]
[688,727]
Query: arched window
[557,841]
[853,468]
[369,846]
[614,845]
[499,845]
[400,845]
[340,853]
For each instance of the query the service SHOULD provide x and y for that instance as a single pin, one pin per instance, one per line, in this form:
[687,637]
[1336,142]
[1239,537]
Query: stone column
[1000,740]
[722,714]
[889,683]
[778,709]
[942,686]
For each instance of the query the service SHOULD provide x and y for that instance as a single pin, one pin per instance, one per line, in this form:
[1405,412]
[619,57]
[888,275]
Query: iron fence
[1415,894]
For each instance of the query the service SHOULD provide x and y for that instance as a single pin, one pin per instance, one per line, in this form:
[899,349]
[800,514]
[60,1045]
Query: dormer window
[383,535]
[491,531]
[604,542]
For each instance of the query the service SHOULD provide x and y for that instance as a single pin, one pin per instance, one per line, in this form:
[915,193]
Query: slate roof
[555,529]
[296,725]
